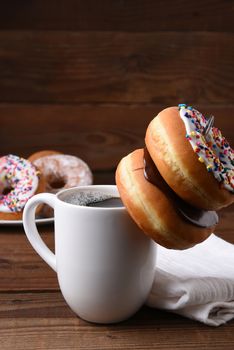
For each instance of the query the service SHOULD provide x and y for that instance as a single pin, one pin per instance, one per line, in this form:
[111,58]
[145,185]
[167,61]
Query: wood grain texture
[131,15]
[20,267]
[85,78]
[99,134]
[116,67]
[43,321]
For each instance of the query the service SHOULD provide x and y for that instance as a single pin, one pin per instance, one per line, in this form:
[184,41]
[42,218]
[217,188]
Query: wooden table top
[34,315]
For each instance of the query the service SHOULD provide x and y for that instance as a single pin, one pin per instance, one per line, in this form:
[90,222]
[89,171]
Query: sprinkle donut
[19,181]
[213,150]
[200,169]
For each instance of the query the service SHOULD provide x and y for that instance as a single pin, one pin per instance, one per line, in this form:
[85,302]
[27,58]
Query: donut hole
[6,191]
[57,183]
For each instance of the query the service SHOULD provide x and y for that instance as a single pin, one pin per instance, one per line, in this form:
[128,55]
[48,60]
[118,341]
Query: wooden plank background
[89,76]
[116,67]
[118,15]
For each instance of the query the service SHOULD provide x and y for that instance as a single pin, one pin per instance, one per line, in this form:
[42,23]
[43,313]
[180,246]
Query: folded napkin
[197,283]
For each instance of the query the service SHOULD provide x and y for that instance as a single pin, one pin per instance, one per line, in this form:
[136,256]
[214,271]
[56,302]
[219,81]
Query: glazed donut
[41,154]
[154,207]
[61,171]
[19,181]
[199,169]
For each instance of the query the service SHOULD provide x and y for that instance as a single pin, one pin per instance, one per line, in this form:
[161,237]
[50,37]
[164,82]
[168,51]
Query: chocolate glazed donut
[196,216]
[156,209]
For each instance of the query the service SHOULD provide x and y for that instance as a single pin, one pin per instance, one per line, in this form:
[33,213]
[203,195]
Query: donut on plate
[157,210]
[41,154]
[61,171]
[200,169]
[19,181]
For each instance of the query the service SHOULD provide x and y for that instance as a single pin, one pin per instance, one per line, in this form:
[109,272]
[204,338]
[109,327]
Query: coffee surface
[196,216]
[114,202]
[93,199]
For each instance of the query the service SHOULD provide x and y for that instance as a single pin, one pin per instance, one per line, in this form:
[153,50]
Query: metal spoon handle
[209,124]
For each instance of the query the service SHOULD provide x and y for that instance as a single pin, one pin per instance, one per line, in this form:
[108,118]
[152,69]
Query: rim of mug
[87,187]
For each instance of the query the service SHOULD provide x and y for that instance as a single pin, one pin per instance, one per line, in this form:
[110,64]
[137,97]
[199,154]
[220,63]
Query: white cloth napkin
[197,283]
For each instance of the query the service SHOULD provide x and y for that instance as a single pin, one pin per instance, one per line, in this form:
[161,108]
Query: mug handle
[31,229]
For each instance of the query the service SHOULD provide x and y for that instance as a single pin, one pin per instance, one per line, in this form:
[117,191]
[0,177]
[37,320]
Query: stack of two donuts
[173,187]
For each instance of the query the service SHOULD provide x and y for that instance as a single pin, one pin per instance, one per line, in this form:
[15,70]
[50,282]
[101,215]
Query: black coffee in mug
[94,199]
[113,202]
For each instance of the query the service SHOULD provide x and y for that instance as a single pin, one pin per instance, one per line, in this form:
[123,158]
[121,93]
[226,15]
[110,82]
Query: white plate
[20,222]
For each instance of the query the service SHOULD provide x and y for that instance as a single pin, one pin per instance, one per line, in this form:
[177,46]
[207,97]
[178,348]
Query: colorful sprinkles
[21,178]
[213,150]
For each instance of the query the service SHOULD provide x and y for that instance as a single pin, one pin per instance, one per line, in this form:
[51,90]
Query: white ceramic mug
[104,262]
